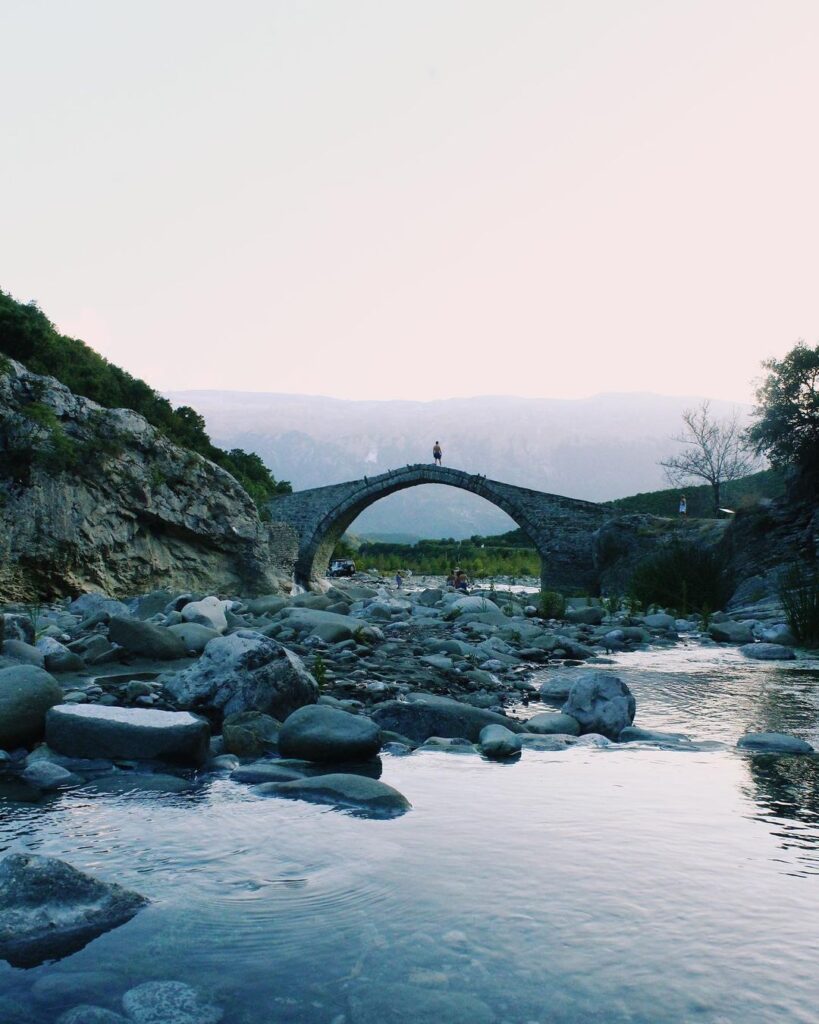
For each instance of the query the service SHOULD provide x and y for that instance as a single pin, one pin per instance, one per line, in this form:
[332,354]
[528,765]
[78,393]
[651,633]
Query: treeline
[509,554]
[736,494]
[27,335]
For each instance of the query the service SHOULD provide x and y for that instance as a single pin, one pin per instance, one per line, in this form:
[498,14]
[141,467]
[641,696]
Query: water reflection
[786,792]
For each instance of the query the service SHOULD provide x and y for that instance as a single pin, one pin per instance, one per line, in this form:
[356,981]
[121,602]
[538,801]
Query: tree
[787,427]
[714,450]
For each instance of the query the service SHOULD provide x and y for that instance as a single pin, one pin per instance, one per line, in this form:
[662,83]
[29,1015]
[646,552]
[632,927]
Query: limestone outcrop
[98,499]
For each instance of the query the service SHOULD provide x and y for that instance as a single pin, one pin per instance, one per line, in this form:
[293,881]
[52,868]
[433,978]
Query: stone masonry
[560,528]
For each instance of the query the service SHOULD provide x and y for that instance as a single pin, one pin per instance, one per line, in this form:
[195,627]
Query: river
[630,884]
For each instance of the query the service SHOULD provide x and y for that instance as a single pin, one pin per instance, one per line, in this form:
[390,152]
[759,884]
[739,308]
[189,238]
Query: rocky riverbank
[281,689]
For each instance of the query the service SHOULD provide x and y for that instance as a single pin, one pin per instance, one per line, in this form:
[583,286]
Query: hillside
[738,494]
[27,335]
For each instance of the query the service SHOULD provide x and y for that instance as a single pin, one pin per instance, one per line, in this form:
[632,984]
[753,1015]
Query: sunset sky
[378,199]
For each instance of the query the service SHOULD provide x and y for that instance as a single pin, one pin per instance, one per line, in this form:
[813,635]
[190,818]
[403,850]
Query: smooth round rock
[497,742]
[774,743]
[767,652]
[364,796]
[26,694]
[169,1002]
[320,733]
[553,724]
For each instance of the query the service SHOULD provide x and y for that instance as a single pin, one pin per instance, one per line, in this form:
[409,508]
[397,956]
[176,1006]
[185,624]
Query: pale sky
[416,199]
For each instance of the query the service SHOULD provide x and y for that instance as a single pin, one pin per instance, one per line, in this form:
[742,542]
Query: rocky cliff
[98,499]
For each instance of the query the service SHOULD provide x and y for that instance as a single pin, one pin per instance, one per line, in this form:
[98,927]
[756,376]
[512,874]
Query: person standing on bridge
[437,453]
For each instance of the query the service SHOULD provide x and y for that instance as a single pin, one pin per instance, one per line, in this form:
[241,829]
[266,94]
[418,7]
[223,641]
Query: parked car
[342,567]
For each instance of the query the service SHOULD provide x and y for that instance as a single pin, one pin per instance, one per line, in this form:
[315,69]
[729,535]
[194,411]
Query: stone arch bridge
[309,523]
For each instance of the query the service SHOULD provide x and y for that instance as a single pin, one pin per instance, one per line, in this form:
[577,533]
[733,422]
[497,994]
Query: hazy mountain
[597,448]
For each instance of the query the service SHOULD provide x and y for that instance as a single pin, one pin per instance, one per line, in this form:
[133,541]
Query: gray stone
[498,742]
[424,715]
[270,604]
[534,741]
[138,782]
[266,771]
[557,687]
[193,635]
[169,1002]
[17,627]
[779,633]
[326,734]
[47,776]
[87,605]
[590,616]
[145,639]
[57,656]
[774,742]
[26,693]
[250,734]
[367,797]
[767,652]
[86,1014]
[632,734]
[731,632]
[244,671]
[48,908]
[553,724]
[210,612]
[601,703]
[89,730]
[20,651]
[660,620]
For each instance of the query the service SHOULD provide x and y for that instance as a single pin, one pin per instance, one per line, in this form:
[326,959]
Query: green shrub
[552,604]
[683,577]
[799,594]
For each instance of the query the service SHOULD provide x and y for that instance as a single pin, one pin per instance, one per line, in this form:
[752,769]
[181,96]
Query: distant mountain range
[598,448]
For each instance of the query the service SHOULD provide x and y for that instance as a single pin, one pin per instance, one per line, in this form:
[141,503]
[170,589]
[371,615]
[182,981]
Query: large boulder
[320,733]
[588,616]
[329,626]
[49,909]
[26,694]
[245,671]
[210,612]
[601,703]
[94,730]
[426,714]
[767,652]
[144,638]
[730,632]
[778,633]
[364,796]
[16,627]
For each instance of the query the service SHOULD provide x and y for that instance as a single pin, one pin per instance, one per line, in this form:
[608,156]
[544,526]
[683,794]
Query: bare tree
[715,451]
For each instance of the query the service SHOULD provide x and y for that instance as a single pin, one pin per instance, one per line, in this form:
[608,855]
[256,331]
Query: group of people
[458,579]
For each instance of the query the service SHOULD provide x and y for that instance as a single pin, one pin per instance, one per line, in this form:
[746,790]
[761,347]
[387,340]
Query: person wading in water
[437,453]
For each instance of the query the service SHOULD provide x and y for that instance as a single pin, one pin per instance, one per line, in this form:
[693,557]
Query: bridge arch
[560,528]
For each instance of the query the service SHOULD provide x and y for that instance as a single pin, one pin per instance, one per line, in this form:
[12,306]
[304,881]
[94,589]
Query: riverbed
[623,884]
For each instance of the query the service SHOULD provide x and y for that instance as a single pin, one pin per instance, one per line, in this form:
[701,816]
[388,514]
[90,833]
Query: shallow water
[625,885]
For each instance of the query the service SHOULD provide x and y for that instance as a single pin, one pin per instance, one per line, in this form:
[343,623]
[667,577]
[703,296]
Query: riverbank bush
[799,594]
[683,577]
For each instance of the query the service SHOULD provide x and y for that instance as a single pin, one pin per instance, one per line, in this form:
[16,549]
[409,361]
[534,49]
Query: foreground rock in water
[767,652]
[426,715]
[601,703]
[245,671]
[367,797]
[498,742]
[49,909]
[326,734]
[26,693]
[94,731]
[169,1002]
[774,742]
